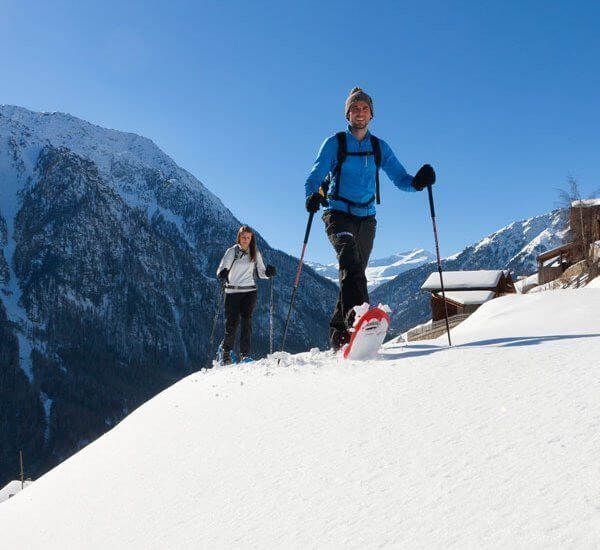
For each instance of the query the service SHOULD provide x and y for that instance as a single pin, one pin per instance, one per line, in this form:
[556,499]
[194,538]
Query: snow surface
[594,283]
[493,443]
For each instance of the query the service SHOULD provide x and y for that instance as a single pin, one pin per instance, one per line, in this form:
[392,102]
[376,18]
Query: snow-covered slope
[381,270]
[490,444]
[594,283]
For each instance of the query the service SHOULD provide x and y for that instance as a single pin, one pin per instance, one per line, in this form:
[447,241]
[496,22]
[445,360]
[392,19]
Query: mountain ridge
[108,253]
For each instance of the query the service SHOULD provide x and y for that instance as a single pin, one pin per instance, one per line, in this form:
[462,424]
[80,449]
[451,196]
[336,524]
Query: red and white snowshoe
[368,332]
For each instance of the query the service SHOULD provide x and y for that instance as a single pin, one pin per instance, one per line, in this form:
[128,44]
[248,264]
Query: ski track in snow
[492,443]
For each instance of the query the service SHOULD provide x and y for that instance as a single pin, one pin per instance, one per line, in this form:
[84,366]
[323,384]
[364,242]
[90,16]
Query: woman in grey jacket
[237,272]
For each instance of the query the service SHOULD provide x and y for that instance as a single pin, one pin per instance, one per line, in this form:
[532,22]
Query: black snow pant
[239,305]
[352,238]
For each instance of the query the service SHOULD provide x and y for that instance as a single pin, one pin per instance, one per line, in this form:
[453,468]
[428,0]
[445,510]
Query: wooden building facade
[584,222]
[584,225]
[465,291]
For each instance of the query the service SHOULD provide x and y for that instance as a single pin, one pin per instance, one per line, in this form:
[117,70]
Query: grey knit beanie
[357,94]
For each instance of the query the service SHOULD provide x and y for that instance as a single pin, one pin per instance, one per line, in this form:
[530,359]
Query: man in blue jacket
[345,180]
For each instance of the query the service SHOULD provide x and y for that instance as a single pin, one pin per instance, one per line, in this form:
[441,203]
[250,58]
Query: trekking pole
[310,219]
[217,311]
[271,319]
[439,262]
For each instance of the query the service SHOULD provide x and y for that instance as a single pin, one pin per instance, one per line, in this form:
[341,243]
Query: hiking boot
[355,314]
[339,338]
[245,358]
[349,320]
[226,359]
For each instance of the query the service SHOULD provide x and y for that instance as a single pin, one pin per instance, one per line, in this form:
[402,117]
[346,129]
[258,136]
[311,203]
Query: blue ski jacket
[357,174]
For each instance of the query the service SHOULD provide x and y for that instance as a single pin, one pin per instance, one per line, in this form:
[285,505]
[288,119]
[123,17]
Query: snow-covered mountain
[492,444]
[108,252]
[329,271]
[385,269]
[514,247]
[382,270]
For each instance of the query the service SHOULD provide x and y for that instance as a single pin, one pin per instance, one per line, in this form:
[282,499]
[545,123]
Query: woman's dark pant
[352,238]
[239,305]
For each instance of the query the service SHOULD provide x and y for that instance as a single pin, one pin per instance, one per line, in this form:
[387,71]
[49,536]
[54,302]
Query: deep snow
[493,443]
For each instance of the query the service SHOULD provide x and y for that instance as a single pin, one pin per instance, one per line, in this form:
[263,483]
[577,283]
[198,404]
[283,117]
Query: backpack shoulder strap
[376,146]
[342,147]
[237,254]
[341,157]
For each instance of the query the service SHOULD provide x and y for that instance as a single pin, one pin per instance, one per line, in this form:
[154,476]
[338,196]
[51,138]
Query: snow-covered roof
[554,252]
[586,202]
[11,489]
[463,280]
[527,281]
[470,297]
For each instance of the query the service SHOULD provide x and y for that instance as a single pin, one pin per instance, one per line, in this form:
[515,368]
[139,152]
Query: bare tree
[570,198]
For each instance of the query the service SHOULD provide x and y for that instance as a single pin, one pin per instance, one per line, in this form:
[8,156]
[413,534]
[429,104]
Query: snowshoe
[368,332]
[225,358]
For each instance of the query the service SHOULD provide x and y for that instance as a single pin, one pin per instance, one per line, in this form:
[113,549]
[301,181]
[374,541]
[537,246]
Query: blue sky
[501,98]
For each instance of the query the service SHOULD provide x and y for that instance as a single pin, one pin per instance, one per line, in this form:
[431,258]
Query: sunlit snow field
[493,443]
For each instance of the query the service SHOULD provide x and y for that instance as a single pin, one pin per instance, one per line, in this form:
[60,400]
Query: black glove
[424,177]
[223,275]
[270,271]
[315,201]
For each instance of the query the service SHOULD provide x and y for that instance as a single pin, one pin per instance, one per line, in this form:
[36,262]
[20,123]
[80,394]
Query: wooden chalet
[466,290]
[553,263]
[584,223]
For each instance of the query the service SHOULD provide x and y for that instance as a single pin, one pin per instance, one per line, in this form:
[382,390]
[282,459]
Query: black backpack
[341,157]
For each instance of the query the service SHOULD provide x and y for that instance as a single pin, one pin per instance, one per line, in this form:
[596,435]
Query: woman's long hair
[252,247]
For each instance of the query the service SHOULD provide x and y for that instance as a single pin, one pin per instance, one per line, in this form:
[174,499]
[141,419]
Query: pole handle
[308,226]
[431,207]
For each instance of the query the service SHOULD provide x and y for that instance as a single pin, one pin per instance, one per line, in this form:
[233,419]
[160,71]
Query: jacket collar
[240,250]
[350,135]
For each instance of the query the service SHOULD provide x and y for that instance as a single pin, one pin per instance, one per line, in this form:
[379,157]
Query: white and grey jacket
[241,270]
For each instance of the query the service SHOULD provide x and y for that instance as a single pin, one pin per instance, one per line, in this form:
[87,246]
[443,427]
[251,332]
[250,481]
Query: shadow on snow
[421,350]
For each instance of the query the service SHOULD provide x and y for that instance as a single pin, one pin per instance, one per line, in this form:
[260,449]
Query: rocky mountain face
[513,248]
[108,252]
